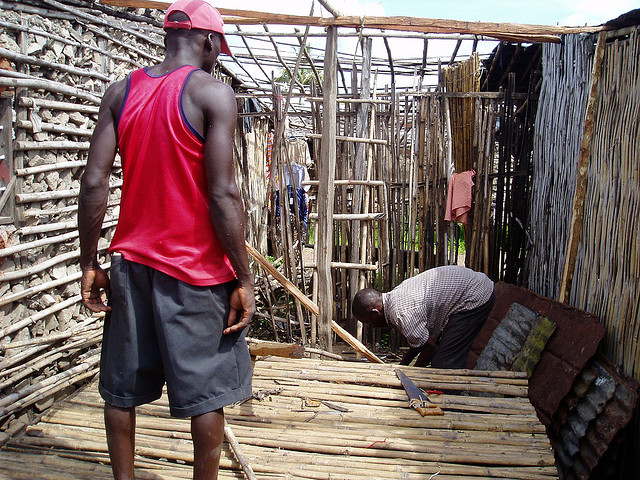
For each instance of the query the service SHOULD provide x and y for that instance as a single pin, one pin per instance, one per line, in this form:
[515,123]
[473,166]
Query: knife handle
[428,409]
[435,410]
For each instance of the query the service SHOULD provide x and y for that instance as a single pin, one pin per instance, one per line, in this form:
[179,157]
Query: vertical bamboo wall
[462,77]
[607,271]
[607,267]
[558,131]
[607,275]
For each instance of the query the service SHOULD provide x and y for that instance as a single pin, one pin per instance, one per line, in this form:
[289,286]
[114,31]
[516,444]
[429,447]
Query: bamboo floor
[313,419]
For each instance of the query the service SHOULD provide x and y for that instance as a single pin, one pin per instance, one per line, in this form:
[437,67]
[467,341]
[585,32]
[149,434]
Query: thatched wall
[558,131]
[606,278]
[607,271]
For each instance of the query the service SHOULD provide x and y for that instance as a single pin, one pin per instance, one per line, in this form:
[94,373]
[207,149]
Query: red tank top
[164,210]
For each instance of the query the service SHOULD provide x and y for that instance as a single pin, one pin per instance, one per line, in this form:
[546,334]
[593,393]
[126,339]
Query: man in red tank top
[181,291]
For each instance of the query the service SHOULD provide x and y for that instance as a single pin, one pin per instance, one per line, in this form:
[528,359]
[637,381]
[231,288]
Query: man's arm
[92,202]
[225,204]
[409,355]
[429,350]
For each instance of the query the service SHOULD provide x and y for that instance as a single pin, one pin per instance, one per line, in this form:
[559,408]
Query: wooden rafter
[503,31]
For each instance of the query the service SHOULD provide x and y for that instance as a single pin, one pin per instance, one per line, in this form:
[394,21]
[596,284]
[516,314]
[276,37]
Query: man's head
[195,23]
[367,307]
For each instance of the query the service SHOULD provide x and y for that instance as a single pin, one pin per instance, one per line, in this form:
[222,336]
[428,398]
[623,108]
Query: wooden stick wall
[559,125]
[61,61]
[607,265]
[607,275]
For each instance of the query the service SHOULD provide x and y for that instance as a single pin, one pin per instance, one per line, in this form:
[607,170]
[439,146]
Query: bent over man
[181,292]
[440,312]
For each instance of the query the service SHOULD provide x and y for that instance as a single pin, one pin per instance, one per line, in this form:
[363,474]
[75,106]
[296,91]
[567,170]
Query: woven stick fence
[559,124]
[607,265]
[462,77]
[607,274]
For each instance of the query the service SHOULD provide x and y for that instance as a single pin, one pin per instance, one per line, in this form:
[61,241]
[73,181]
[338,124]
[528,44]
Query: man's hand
[409,355]
[242,300]
[94,282]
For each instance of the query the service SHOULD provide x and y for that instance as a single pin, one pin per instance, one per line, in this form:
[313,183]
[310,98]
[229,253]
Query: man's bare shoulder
[205,88]
[114,95]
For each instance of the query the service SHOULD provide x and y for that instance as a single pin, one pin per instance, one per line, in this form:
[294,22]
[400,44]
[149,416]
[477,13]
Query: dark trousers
[458,335]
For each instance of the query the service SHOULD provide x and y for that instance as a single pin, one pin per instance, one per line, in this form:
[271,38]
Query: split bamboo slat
[316,420]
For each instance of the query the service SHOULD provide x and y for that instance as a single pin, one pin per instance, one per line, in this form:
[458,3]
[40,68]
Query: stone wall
[58,59]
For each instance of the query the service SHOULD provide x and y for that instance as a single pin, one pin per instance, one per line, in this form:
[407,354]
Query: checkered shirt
[421,306]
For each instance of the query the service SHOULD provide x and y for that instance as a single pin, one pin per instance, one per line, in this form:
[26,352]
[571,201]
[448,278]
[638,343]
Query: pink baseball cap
[202,15]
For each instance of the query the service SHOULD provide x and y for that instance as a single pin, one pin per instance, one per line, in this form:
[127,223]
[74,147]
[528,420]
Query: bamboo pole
[372,183]
[56,105]
[39,267]
[343,138]
[52,227]
[22,172]
[309,305]
[50,127]
[237,451]
[351,216]
[12,250]
[354,266]
[14,297]
[30,320]
[340,99]
[24,145]
[19,58]
[17,80]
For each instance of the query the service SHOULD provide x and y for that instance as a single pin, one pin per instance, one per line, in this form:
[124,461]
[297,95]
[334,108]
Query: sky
[541,12]
[538,12]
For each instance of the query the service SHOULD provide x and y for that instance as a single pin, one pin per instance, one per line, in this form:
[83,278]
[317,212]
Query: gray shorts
[162,330]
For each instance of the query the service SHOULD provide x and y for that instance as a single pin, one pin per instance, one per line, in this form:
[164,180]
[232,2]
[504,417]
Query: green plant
[304,76]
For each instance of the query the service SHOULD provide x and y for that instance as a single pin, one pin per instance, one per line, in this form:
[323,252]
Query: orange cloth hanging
[459,196]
